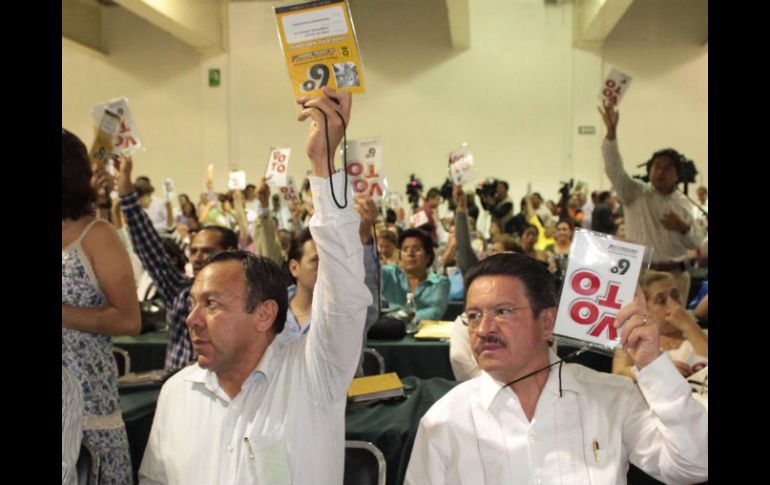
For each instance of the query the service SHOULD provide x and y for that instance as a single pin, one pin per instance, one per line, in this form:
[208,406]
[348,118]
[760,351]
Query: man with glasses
[525,421]
[254,409]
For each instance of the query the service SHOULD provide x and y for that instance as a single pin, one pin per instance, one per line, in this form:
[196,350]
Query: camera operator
[656,214]
[495,199]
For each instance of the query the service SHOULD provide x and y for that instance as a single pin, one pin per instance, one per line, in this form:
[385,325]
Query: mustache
[490,339]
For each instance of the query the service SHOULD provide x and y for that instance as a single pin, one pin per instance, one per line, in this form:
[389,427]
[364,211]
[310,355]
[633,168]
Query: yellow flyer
[320,46]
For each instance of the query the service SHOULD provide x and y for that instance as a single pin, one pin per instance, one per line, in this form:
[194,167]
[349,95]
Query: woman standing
[98,301]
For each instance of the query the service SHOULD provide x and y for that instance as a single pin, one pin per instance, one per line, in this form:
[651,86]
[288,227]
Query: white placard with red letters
[126,141]
[461,165]
[365,168]
[288,193]
[419,218]
[614,87]
[237,180]
[601,278]
[278,167]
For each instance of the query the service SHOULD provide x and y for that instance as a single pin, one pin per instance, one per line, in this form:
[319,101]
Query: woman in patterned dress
[98,301]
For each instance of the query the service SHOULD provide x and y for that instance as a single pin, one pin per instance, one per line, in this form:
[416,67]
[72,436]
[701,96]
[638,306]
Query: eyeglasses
[499,315]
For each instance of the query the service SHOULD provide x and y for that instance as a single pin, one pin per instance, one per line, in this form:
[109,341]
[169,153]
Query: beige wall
[516,96]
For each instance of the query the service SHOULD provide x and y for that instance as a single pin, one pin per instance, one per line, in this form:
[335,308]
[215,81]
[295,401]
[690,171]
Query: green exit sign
[214,77]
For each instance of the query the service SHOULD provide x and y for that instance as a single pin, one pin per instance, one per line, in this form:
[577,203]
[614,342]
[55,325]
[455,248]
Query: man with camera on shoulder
[494,199]
[656,214]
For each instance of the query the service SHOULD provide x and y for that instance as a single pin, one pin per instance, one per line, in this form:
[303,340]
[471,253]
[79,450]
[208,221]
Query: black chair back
[373,362]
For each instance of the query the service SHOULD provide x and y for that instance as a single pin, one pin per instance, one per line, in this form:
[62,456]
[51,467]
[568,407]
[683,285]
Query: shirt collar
[267,367]
[489,387]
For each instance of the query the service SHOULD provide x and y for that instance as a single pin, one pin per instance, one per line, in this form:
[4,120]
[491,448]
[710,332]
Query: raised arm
[146,241]
[628,189]
[333,344]
[464,252]
[666,430]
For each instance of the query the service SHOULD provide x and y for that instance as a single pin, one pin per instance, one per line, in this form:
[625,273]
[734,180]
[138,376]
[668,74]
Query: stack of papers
[434,330]
[375,388]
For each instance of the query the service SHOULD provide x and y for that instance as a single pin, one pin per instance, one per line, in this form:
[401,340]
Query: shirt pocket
[271,460]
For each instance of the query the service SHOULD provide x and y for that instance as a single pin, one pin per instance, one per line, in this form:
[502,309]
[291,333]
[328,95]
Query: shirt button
[532,438]
[230,448]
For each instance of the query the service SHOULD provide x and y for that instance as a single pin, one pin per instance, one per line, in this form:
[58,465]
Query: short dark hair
[603,196]
[250,186]
[77,194]
[526,226]
[503,183]
[264,281]
[425,239]
[674,155]
[433,192]
[297,244]
[227,237]
[540,287]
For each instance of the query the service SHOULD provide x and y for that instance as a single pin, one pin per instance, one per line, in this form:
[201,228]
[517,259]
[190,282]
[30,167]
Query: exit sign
[214,77]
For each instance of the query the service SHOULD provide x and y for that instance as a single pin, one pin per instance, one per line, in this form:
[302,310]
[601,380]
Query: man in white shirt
[524,421]
[254,409]
[655,213]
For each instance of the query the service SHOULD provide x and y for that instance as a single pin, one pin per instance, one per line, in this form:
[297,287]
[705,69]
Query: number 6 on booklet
[601,278]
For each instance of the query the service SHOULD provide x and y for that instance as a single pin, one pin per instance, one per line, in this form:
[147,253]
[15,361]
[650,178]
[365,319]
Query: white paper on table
[126,141]
[365,168]
[278,167]
[461,165]
[601,278]
[614,87]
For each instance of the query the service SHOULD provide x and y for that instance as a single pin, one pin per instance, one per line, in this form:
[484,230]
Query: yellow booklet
[319,43]
[434,330]
[371,388]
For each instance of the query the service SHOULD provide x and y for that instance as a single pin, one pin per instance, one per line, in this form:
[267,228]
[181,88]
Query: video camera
[413,191]
[485,191]
[566,187]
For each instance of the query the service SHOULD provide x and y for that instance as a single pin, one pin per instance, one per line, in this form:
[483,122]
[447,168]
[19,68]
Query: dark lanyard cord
[559,362]
[329,157]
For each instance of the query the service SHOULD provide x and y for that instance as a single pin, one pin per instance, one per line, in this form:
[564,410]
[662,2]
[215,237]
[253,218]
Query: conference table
[389,425]
[406,356]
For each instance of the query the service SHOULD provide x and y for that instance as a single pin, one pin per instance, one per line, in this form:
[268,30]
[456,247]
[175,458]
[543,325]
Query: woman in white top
[680,335]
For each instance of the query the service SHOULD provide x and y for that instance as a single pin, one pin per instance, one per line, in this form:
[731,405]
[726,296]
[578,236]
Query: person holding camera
[656,214]
[495,199]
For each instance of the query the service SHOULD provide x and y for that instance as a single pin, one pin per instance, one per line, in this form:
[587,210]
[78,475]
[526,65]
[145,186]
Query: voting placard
[365,168]
[102,147]
[461,165]
[614,87]
[601,278]
[278,167]
[320,46]
[126,140]
[288,194]
[237,180]
[419,218]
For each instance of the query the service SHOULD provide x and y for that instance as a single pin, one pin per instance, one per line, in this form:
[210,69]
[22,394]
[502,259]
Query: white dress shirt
[287,424]
[464,365]
[478,433]
[158,215]
[644,208]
